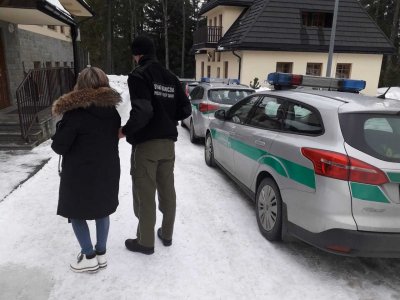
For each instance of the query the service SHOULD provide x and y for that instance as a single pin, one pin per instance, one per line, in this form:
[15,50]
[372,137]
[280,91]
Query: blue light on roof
[288,80]
[277,78]
[351,85]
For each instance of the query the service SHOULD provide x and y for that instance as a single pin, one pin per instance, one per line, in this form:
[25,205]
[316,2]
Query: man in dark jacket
[158,102]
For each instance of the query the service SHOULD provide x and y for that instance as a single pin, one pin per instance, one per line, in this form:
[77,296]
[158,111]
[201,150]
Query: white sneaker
[84,264]
[102,260]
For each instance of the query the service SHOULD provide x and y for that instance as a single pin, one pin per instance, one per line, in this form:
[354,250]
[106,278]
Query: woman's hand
[120,134]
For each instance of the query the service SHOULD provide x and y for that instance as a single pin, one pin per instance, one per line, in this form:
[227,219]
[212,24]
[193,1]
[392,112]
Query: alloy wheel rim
[208,149]
[267,208]
[191,130]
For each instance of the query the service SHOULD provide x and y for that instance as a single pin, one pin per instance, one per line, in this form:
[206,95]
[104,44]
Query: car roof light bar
[287,80]
[220,80]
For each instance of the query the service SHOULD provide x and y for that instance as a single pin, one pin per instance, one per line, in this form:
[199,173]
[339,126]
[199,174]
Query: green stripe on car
[368,192]
[394,177]
[299,173]
[283,167]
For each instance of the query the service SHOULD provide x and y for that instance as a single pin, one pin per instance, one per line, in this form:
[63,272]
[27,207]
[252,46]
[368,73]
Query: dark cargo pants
[152,168]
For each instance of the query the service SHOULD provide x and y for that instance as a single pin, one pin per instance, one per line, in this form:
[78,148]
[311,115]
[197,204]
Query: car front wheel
[209,151]
[269,210]
[193,137]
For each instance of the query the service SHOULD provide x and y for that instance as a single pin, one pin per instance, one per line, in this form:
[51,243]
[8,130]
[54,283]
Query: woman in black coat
[87,139]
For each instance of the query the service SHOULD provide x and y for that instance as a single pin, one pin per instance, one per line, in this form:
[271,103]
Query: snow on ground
[17,165]
[217,250]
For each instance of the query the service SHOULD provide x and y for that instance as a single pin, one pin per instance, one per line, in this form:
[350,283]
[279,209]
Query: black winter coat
[158,102]
[87,138]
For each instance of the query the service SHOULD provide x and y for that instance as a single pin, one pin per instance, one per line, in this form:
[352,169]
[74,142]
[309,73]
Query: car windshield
[228,96]
[375,134]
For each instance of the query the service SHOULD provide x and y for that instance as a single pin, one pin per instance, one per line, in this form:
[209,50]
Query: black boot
[134,246]
[165,242]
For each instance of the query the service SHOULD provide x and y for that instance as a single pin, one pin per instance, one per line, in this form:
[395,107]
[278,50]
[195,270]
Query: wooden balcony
[207,37]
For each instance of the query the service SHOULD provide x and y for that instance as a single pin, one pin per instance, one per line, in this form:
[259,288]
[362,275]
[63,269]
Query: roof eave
[209,6]
[54,12]
[78,9]
[307,48]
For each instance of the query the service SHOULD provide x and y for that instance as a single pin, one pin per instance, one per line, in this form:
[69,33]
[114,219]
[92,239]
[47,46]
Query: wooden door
[4,95]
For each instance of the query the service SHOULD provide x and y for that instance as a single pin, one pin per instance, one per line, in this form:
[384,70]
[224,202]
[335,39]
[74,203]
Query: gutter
[87,7]
[50,10]
[240,63]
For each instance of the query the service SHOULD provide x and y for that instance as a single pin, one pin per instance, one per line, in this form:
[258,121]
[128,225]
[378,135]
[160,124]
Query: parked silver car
[206,98]
[322,166]
[188,84]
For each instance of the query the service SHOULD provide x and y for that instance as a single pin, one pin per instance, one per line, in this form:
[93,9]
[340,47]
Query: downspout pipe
[240,63]
[74,36]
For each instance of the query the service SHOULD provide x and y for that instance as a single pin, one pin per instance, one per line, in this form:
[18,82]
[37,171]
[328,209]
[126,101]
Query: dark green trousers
[152,168]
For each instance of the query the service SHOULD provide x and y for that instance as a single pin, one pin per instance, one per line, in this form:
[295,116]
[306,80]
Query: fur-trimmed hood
[101,97]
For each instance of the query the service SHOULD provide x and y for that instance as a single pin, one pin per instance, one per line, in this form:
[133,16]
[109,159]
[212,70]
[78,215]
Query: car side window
[240,111]
[302,119]
[197,93]
[268,113]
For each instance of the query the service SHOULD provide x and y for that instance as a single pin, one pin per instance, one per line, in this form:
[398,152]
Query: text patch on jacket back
[164,91]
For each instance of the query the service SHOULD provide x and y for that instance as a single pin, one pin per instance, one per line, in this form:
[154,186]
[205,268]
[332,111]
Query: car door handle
[259,143]
[232,133]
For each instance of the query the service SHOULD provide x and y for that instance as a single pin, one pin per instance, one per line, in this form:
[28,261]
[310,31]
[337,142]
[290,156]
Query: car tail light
[187,90]
[340,166]
[205,107]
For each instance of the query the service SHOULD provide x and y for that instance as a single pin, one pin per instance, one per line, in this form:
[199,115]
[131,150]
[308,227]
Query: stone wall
[15,74]
[22,48]
[40,48]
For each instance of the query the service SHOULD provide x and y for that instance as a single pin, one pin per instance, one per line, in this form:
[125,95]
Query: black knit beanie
[142,45]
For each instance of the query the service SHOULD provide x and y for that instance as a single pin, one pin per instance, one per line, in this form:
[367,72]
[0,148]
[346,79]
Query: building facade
[36,34]
[38,63]
[28,47]
[249,39]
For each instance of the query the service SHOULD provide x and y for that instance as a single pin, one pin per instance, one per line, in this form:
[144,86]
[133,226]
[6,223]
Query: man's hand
[120,134]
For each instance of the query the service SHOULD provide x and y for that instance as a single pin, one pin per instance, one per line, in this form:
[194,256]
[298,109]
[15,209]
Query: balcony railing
[38,91]
[207,35]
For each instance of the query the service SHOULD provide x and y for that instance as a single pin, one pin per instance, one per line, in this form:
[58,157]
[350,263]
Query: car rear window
[375,134]
[228,96]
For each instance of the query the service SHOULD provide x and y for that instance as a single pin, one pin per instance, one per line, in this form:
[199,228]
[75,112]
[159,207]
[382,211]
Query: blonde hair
[91,78]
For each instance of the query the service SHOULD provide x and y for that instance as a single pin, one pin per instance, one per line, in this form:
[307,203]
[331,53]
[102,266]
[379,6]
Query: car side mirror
[220,114]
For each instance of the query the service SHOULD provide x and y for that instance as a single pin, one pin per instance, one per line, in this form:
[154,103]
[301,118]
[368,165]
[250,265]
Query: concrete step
[15,135]
[17,145]
[10,130]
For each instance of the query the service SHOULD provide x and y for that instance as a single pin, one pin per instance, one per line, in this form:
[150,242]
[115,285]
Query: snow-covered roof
[57,4]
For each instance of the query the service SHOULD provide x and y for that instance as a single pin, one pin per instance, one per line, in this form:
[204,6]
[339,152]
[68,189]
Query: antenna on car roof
[383,96]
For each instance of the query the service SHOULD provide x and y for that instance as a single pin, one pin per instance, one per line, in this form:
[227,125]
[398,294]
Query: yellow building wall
[44,30]
[260,63]
[233,66]
[363,66]
[229,16]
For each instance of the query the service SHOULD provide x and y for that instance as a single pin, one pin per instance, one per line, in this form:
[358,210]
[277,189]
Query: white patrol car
[322,166]
[208,96]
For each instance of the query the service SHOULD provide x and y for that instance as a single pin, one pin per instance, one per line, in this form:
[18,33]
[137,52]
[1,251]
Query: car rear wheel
[209,151]
[193,137]
[269,210]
